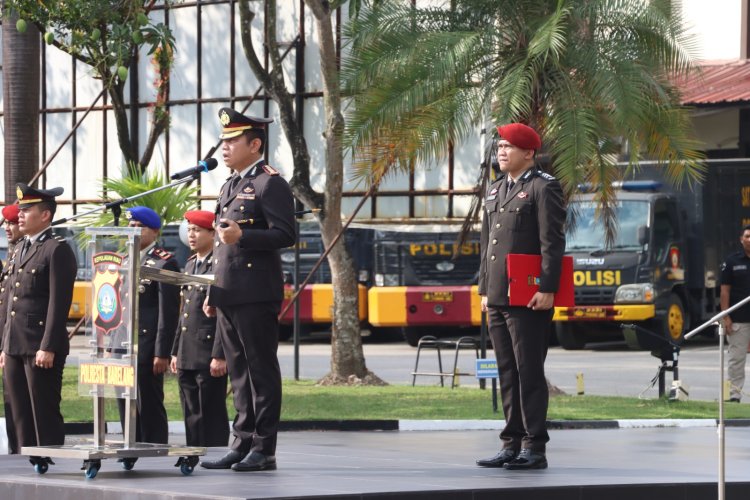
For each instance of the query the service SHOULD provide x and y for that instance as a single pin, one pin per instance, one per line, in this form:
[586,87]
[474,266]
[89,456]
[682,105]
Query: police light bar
[637,185]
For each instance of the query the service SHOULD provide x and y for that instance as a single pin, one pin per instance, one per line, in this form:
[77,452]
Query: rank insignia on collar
[523,194]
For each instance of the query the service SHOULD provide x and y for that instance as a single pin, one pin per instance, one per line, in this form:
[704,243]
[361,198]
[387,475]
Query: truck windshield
[588,233]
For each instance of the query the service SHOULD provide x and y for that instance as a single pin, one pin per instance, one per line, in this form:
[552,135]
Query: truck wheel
[675,322]
[671,326]
[412,335]
[570,336]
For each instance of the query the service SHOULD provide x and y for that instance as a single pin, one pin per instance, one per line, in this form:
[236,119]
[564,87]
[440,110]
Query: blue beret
[145,216]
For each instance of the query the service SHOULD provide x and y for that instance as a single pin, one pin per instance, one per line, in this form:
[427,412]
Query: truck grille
[595,296]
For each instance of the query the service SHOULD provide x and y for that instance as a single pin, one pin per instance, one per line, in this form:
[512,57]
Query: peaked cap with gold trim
[234,123]
[28,195]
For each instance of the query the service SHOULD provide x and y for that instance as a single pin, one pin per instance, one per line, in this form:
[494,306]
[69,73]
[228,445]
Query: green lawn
[304,401]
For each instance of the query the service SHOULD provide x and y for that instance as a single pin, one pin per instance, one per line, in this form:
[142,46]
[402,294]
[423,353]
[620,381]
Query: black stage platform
[641,464]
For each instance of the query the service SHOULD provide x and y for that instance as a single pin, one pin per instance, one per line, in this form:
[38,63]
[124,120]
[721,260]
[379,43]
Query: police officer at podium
[158,307]
[197,356]
[38,292]
[524,214]
[13,234]
[254,219]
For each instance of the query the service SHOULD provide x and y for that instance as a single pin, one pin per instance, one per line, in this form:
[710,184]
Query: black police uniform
[4,291]
[39,291]
[203,397]
[527,220]
[735,272]
[158,309]
[248,293]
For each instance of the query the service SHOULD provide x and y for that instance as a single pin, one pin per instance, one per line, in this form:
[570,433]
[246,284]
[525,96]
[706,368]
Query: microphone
[203,166]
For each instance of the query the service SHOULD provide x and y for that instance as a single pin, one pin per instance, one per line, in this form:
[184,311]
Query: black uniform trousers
[151,425]
[249,335]
[520,338]
[203,399]
[9,426]
[35,413]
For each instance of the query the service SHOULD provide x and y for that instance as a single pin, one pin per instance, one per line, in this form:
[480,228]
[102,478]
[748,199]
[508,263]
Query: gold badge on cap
[19,193]
[224,118]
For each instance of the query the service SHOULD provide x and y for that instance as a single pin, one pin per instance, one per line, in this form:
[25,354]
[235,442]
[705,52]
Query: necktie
[25,247]
[198,264]
[511,183]
[233,183]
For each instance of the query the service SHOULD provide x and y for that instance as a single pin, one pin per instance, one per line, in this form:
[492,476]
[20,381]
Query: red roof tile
[717,82]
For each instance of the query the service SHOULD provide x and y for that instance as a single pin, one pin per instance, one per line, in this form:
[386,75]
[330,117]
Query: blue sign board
[486,368]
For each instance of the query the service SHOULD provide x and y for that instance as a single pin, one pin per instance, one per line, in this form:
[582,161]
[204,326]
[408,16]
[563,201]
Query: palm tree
[21,74]
[592,75]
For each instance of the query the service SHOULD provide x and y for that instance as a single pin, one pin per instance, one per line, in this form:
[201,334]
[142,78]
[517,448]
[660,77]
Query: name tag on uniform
[246,196]
[491,197]
[739,267]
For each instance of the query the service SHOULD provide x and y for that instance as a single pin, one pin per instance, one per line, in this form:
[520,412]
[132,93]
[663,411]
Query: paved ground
[584,464]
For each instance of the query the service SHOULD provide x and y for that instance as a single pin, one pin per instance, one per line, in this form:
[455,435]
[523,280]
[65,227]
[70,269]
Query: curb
[177,427]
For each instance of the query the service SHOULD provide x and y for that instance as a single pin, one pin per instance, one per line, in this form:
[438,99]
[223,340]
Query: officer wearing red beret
[42,271]
[197,356]
[13,233]
[524,214]
[254,219]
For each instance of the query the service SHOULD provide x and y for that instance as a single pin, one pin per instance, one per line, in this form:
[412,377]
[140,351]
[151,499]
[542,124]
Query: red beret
[10,213]
[201,218]
[520,135]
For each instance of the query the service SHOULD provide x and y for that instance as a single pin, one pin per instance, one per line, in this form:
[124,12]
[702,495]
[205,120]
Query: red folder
[523,280]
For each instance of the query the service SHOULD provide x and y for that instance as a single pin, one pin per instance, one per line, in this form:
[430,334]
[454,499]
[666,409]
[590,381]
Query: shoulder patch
[162,254]
[270,170]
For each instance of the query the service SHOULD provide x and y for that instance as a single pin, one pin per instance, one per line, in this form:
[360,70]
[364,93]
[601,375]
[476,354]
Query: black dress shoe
[225,462]
[255,461]
[498,460]
[526,460]
[733,400]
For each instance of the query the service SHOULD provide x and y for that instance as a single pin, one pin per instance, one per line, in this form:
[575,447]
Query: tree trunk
[21,75]
[347,356]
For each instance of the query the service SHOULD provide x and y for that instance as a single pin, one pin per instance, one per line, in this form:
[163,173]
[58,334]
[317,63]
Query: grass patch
[304,401]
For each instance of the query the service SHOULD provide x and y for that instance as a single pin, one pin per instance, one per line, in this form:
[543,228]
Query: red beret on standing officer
[42,271]
[254,219]
[524,214]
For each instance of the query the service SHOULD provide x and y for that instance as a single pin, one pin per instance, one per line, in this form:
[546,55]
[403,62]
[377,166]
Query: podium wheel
[41,467]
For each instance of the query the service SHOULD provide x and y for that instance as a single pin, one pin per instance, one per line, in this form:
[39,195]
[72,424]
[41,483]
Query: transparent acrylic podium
[110,368]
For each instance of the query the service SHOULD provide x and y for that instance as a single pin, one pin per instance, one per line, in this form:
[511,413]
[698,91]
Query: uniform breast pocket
[522,216]
[490,206]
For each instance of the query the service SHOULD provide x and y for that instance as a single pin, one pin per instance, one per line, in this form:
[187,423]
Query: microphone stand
[716,320]
[116,206]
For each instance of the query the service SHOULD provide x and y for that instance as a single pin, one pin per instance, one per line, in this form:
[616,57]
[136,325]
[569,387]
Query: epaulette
[270,170]
[162,254]
[544,175]
[59,238]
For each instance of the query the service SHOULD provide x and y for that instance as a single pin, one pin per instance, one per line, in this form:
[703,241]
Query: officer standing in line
[158,308]
[35,337]
[256,207]
[197,356]
[524,214]
[735,286]
[14,235]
